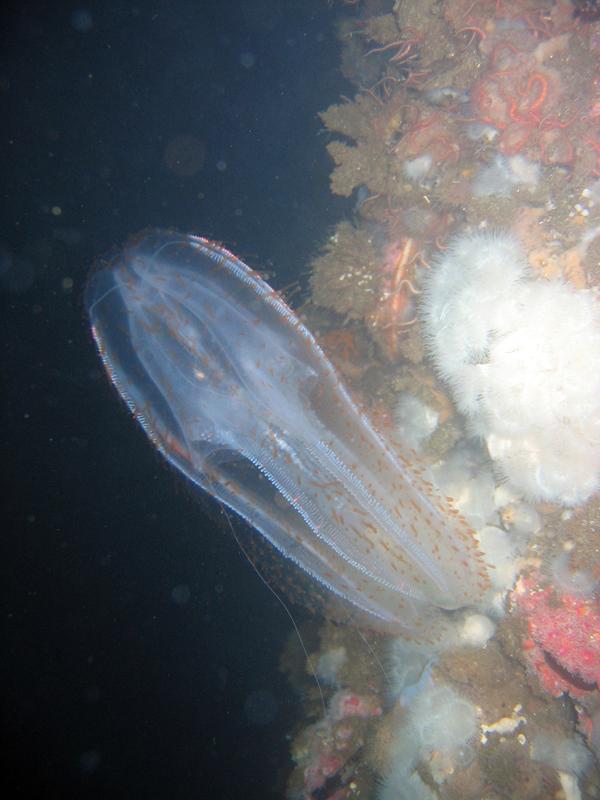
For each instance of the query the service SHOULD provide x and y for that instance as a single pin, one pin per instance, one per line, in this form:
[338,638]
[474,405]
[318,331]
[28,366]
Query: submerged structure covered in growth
[460,304]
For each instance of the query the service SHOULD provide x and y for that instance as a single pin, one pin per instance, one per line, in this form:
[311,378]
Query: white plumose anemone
[522,357]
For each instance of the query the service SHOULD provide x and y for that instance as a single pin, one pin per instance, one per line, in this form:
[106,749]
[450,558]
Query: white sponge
[522,357]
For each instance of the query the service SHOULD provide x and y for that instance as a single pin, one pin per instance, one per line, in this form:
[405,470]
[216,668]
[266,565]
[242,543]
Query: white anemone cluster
[522,358]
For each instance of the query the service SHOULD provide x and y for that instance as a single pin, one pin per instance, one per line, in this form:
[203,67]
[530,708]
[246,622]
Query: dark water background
[140,650]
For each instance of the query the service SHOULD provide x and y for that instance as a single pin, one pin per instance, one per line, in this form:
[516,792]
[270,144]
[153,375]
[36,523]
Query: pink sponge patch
[345,704]
[563,646]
